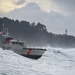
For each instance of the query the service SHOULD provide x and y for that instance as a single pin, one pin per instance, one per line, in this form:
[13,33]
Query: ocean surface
[55,61]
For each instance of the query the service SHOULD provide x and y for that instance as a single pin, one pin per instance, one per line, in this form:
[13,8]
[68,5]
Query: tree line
[36,34]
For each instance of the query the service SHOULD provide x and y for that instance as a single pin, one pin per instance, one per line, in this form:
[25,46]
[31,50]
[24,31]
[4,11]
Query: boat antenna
[7,29]
[3,26]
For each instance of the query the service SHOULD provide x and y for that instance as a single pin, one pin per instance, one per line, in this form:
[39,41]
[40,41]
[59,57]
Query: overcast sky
[57,15]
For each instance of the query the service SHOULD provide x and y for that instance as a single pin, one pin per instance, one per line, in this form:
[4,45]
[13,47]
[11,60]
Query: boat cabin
[17,42]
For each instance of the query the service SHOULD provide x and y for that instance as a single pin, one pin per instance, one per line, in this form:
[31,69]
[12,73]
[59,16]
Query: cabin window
[13,42]
[18,43]
[22,44]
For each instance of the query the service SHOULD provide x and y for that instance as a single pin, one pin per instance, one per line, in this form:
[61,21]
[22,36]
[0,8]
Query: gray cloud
[66,6]
[61,6]
[54,21]
[20,2]
[9,5]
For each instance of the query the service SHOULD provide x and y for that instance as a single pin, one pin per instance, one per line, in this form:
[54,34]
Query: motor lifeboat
[8,43]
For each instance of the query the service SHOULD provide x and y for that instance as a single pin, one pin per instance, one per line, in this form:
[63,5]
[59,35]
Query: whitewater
[55,61]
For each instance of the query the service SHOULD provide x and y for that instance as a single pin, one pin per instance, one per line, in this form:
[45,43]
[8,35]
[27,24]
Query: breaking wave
[55,61]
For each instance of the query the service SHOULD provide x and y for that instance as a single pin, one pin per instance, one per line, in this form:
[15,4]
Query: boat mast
[5,32]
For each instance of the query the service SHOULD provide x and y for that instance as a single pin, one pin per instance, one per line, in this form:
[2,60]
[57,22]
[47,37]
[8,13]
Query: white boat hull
[18,46]
[34,53]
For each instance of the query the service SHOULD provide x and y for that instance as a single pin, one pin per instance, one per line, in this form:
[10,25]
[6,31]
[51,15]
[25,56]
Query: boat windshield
[18,43]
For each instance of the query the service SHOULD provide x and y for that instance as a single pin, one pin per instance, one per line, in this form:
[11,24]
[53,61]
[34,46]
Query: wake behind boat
[18,46]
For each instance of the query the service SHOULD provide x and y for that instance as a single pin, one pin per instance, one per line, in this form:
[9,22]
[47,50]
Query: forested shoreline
[36,34]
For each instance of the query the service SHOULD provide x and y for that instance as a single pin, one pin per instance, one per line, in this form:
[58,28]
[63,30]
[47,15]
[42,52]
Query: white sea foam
[55,61]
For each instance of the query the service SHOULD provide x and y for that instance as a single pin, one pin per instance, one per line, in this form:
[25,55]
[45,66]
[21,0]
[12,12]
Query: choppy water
[54,62]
